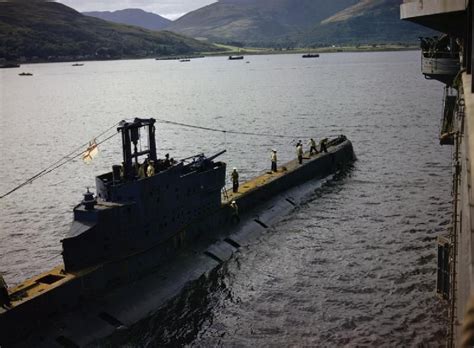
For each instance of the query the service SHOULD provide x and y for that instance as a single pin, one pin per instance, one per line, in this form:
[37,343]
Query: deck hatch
[49,279]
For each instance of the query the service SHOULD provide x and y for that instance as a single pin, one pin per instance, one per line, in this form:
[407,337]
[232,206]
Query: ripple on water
[353,266]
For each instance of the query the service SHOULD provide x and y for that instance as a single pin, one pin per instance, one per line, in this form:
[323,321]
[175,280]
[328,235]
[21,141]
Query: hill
[369,21]
[52,31]
[300,22]
[253,21]
[132,16]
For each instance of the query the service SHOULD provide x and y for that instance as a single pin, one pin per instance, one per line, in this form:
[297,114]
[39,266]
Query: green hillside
[252,21]
[300,22]
[49,30]
[371,21]
[132,16]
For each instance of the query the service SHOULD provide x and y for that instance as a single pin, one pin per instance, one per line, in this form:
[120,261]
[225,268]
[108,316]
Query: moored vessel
[148,215]
[311,55]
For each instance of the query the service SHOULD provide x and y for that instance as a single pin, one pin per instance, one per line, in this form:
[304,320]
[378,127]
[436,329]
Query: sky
[170,9]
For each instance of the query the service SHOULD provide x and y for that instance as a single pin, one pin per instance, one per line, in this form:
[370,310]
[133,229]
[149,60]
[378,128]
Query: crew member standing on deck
[150,170]
[274,160]
[312,148]
[4,297]
[299,152]
[235,180]
[323,145]
[235,218]
[167,162]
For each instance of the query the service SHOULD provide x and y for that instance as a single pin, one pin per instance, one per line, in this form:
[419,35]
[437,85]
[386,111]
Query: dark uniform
[323,146]
[167,162]
[312,147]
[235,180]
[4,297]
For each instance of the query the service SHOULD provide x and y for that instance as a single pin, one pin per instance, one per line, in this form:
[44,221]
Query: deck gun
[201,161]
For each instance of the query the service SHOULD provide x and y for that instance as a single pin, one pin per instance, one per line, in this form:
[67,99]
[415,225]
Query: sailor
[312,148]
[235,180]
[323,145]
[136,168]
[150,170]
[235,212]
[274,160]
[122,170]
[141,170]
[167,162]
[299,152]
[4,297]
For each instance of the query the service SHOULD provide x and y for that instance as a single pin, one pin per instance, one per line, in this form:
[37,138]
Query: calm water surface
[354,266]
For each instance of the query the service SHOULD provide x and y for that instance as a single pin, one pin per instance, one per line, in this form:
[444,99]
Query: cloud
[167,8]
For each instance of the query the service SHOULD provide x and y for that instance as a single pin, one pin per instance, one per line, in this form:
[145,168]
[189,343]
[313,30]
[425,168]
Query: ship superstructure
[448,58]
[135,212]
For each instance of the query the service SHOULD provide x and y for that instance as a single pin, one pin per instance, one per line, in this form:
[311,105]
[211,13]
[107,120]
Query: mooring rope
[75,153]
[61,162]
[272,135]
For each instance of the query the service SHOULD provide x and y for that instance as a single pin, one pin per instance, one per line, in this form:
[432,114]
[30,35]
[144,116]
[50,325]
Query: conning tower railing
[130,136]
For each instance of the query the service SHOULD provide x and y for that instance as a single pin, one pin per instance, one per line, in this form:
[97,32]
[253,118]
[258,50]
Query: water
[354,266]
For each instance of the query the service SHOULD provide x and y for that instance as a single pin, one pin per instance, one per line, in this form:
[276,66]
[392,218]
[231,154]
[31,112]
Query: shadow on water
[178,322]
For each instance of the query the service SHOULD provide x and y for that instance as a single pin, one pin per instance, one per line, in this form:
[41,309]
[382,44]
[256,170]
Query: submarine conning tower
[130,137]
[143,202]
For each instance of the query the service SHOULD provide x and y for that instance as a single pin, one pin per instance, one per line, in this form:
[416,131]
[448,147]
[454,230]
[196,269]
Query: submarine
[142,238]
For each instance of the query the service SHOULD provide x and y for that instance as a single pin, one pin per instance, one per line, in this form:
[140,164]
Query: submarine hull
[80,307]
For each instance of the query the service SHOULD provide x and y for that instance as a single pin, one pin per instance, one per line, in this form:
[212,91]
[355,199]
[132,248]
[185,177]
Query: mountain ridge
[132,16]
[256,20]
[299,22]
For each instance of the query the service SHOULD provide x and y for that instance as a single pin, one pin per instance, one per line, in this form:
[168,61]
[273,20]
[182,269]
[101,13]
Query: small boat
[77,64]
[25,74]
[311,55]
[236,57]
[185,60]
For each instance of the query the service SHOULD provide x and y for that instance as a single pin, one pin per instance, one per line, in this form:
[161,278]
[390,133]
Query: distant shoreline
[337,49]
[250,51]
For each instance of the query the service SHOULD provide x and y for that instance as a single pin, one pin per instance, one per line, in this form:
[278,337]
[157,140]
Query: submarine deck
[51,291]
[267,177]
[50,280]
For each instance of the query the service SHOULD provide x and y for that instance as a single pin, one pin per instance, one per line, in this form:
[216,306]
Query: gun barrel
[217,155]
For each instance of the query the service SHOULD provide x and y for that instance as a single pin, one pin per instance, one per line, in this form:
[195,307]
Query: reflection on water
[355,265]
